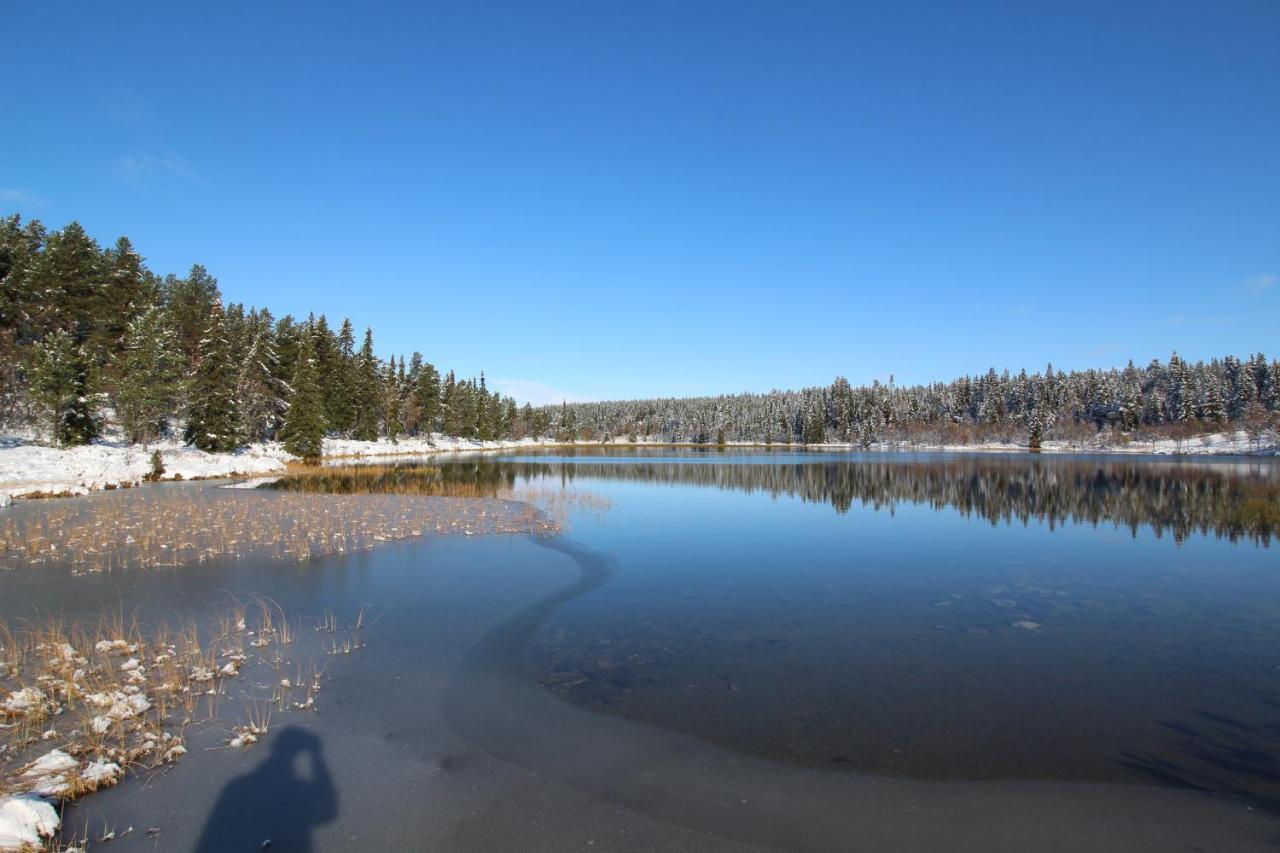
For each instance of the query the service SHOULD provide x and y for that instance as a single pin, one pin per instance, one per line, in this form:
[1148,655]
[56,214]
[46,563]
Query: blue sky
[603,199]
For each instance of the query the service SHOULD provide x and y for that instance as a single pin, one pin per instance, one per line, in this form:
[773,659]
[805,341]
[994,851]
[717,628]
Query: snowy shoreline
[32,470]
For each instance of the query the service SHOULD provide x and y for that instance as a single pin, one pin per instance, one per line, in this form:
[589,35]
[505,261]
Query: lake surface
[767,650]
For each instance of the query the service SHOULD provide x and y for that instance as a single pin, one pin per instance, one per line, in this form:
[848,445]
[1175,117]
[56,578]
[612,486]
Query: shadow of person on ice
[274,803]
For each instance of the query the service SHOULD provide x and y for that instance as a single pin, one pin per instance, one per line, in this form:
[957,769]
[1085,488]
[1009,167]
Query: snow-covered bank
[422,446]
[1210,444]
[32,469]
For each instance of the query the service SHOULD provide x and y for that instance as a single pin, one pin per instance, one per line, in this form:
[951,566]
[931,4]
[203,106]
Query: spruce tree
[123,296]
[814,428]
[259,393]
[449,405]
[190,300]
[426,394]
[20,246]
[304,426]
[212,410]
[339,383]
[367,392]
[483,410]
[391,404]
[146,374]
[64,281]
[511,421]
[58,377]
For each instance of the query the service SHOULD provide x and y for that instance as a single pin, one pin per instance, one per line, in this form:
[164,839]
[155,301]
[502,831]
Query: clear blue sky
[618,200]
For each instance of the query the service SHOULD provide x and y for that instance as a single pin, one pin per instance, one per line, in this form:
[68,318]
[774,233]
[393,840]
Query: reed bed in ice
[105,697]
[144,530]
[82,705]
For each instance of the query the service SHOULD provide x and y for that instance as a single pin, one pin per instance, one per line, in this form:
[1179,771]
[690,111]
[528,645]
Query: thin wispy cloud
[1261,282]
[17,197]
[138,168]
[1105,350]
[534,392]
[1201,319]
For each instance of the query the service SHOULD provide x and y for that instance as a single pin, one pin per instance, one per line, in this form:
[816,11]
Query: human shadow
[274,802]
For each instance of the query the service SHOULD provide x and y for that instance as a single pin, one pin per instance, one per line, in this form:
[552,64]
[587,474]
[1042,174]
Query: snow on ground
[1220,443]
[1210,444]
[27,468]
[30,469]
[421,446]
[25,822]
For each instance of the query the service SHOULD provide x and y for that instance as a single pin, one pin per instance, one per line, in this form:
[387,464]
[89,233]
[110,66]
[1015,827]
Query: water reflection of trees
[1239,501]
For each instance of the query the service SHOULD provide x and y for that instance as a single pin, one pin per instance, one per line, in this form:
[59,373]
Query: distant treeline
[88,333]
[1173,399]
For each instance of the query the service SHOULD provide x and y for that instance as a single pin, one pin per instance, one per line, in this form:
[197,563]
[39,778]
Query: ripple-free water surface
[789,650]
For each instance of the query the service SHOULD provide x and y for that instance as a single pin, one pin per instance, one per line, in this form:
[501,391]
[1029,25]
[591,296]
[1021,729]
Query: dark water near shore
[783,651]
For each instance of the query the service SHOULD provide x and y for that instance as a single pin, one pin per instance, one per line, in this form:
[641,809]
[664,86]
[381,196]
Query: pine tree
[304,426]
[339,383]
[391,398]
[128,290]
[20,246]
[1214,407]
[146,375]
[65,280]
[426,394]
[1035,431]
[367,392]
[449,405]
[483,411]
[190,300]
[1271,394]
[1181,393]
[259,393]
[58,377]
[212,410]
[511,427]
[568,423]
[814,428]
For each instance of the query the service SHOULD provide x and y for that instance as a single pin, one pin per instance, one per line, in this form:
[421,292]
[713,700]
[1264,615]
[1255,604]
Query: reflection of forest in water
[1232,500]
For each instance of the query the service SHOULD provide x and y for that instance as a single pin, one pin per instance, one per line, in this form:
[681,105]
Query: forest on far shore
[89,335]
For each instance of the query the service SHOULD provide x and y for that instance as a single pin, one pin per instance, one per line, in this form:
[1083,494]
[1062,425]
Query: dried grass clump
[81,706]
[141,529]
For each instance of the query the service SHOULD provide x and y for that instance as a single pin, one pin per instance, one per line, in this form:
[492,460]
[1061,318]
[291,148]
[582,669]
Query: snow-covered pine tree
[212,409]
[391,402]
[127,291]
[1213,407]
[483,428]
[426,395]
[367,392]
[65,280]
[58,377]
[20,246]
[304,427]
[1181,391]
[146,375]
[338,382]
[259,393]
[189,301]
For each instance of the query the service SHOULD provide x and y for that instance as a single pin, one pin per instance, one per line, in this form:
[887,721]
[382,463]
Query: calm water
[774,651]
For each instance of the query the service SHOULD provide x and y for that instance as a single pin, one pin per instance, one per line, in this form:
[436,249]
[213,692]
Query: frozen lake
[754,651]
